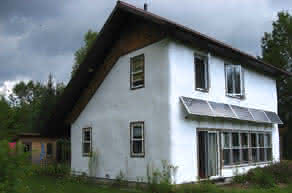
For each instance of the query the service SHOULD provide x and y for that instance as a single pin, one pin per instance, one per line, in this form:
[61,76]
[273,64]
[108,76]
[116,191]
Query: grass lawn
[55,185]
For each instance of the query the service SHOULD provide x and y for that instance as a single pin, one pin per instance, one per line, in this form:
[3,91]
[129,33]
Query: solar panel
[213,109]
[197,106]
[222,110]
[274,118]
[259,116]
[242,113]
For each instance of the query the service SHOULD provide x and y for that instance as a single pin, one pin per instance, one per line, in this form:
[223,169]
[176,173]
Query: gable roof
[110,33]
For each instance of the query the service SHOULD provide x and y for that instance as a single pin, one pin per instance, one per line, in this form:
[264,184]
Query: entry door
[208,154]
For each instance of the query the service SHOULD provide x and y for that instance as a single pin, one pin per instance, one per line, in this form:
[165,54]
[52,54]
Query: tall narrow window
[137,139]
[137,72]
[234,80]
[86,141]
[201,73]
[49,149]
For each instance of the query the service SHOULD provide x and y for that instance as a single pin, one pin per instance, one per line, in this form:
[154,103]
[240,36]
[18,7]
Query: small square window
[244,139]
[235,139]
[254,140]
[236,156]
[269,154]
[137,139]
[254,154]
[137,72]
[262,154]
[245,157]
[226,140]
[226,157]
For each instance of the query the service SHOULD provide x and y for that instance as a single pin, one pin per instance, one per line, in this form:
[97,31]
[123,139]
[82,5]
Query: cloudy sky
[38,37]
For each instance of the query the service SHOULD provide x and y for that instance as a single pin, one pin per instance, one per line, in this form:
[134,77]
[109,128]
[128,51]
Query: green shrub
[159,181]
[282,171]
[268,176]
[13,166]
[57,170]
[259,177]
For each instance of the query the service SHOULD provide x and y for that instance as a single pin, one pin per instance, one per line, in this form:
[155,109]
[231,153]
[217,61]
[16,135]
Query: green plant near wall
[93,164]
[160,180]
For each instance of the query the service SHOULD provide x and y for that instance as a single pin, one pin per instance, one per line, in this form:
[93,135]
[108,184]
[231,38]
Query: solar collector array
[213,109]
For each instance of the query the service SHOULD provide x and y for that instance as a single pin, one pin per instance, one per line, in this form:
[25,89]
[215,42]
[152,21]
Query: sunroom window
[246,147]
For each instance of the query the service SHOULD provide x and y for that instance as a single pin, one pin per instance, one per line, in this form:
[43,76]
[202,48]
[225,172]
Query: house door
[208,154]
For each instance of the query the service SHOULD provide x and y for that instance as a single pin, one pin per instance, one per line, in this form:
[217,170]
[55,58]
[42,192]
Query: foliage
[13,168]
[93,164]
[80,54]
[120,179]
[161,180]
[28,107]
[259,178]
[277,50]
[56,170]
[268,176]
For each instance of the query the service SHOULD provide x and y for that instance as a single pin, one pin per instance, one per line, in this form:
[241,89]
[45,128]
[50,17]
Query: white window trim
[242,89]
[206,58]
[132,73]
[249,147]
[86,141]
[132,139]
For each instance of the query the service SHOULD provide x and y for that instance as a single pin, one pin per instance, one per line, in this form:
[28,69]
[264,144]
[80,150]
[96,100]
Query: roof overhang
[198,107]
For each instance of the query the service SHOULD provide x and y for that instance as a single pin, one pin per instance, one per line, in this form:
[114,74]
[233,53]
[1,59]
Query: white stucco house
[152,90]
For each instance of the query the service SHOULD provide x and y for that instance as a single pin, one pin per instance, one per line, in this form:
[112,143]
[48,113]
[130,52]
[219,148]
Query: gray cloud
[40,37]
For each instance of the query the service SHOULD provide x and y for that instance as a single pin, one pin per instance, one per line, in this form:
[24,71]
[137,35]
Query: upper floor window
[86,141]
[234,80]
[201,73]
[137,139]
[137,72]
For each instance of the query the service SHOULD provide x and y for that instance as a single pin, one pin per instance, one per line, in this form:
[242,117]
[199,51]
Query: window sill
[202,90]
[137,155]
[86,154]
[246,165]
[137,87]
[236,96]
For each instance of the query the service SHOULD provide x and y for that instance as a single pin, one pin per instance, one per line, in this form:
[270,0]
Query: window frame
[47,154]
[142,154]
[241,95]
[132,87]
[267,147]
[205,58]
[85,154]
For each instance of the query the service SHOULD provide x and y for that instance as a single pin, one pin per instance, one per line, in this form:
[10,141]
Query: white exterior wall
[260,93]
[169,74]
[114,106]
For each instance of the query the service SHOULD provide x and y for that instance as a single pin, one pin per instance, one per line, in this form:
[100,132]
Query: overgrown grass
[38,184]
